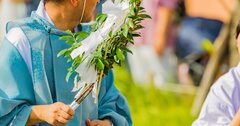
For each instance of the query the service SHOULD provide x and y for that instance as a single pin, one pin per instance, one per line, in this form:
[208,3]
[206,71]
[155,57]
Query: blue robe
[19,90]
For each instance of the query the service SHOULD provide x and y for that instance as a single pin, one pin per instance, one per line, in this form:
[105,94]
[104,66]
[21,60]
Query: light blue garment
[18,91]
[99,6]
[222,102]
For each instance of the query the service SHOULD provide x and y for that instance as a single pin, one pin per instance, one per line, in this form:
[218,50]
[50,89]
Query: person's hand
[55,114]
[98,123]
[236,119]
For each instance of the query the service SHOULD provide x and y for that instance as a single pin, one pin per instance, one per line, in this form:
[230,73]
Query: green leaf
[71,69]
[132,12]
[81,35]
[77,62]
[62,52]
[136,35]
[142,12]
[139,19]
[65,38]
[110,34]
[69,60]
[132,42]
[127,50]
[69,74]
[98,54]
[99,64]
[77,44]
[69,31]
[138,27]
[130,23]
[133,17]
[125,30]
[116,59]
[142,8]
[101,18]
[120,54]
[70,42]
[105,62]
[131,1]
[135,10]
[145,16]
[130,38]
[68,53]
[76,79]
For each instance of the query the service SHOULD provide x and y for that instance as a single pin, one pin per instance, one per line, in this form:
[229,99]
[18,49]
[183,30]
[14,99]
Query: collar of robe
[50,28]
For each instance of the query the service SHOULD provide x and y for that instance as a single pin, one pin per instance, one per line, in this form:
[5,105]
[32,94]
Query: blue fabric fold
[113,105]
[14,80]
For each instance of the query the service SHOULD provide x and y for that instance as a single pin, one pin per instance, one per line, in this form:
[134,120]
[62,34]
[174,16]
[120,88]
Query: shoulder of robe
[228,83]
[16,36]
[30,27]
[25,23]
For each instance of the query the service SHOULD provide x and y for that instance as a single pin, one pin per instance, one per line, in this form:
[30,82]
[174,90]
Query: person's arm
[164,15]
[54,114]
[236,120]
[163,20]
[16,89]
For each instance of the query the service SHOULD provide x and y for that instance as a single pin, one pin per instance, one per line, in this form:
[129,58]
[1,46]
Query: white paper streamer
[117,12]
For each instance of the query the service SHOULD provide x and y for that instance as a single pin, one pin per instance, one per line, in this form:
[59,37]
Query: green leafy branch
[111,51]
[73,39]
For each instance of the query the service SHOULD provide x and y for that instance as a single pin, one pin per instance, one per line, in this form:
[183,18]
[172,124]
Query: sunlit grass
[153,107]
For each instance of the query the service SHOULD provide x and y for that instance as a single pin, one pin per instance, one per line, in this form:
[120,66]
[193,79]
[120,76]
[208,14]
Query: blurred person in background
[221,107]
[145,65]
[15,9]
[203,20]
[10,10]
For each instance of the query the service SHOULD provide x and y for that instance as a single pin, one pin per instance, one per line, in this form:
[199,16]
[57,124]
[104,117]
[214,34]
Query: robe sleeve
[16,89]
[221,104]
[113,105]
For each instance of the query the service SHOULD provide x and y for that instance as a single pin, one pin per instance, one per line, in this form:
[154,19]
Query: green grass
[151,106]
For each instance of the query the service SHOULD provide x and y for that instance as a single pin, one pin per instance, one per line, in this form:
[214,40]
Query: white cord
[84,6]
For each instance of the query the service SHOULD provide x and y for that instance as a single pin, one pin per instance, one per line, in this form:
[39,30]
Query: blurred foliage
[153,107]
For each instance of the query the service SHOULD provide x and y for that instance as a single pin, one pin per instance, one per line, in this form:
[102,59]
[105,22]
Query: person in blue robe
[33,90]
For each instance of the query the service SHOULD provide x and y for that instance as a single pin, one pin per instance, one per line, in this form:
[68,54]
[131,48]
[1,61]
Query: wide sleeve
[222,102]
[16,90]
[112,104]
